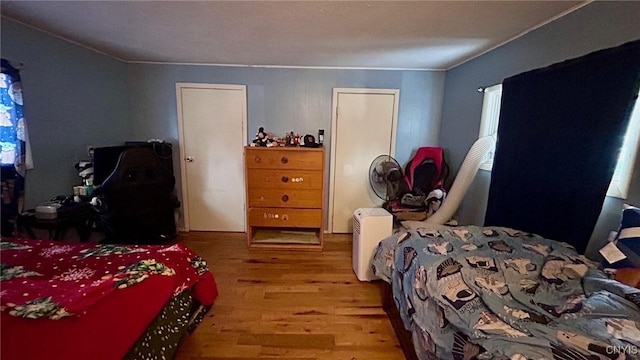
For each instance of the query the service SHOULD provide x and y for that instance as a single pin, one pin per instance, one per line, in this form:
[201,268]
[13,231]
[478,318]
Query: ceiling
[432,35]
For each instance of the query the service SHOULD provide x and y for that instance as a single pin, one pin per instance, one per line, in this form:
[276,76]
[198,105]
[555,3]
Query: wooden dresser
[285,197]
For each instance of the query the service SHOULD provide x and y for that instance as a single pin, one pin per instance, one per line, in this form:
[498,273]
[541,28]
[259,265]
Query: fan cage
[385,177]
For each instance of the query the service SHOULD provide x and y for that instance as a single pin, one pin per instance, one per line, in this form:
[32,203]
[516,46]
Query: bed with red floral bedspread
[90,301]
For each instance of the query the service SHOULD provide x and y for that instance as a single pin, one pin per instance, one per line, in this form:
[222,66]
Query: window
[621,180]
[489,120]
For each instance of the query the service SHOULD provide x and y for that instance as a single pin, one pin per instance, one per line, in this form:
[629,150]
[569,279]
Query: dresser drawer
[285,179]
[264,197]
[284,159]
[285,217]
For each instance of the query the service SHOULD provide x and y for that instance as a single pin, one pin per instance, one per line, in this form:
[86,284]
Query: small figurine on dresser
[291,139]
[271,141]
[261,138]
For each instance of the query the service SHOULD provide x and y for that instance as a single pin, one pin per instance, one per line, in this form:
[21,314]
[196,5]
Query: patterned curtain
[13,139]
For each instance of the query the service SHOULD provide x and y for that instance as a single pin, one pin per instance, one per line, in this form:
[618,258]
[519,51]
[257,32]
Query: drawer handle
[284,160]
[285,197]
[257,159]
[285,178]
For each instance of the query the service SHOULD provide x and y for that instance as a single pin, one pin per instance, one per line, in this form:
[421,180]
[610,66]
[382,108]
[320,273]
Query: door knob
[189,159]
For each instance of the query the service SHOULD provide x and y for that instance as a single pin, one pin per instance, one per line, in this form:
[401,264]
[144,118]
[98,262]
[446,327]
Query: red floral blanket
[43,279]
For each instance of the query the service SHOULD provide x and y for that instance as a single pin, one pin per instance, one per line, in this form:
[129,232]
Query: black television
[106,158]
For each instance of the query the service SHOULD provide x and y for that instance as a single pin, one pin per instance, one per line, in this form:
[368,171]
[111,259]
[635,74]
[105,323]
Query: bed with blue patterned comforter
[497,293]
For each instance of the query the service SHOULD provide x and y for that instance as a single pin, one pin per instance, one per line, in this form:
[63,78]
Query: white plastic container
[370,225]
[47,211]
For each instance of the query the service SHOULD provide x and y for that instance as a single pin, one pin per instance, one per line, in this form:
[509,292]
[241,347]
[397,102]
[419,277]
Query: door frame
[181,141]
[334,126]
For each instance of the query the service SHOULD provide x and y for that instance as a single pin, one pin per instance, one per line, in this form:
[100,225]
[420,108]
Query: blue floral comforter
[497,293]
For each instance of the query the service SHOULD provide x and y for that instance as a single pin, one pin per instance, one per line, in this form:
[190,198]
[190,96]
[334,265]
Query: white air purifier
[370,225]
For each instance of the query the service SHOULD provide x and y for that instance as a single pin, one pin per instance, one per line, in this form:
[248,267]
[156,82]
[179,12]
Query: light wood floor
[288,304]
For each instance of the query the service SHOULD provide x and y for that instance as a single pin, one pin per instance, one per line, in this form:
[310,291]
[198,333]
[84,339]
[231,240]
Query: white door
[364,126]
[212,122]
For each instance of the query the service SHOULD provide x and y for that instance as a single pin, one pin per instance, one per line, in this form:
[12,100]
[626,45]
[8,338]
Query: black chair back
[139,199]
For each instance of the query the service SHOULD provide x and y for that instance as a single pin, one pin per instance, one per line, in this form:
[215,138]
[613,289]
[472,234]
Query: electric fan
[385,177]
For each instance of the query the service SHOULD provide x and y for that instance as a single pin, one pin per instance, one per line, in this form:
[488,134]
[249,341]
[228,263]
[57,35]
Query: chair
[139,199]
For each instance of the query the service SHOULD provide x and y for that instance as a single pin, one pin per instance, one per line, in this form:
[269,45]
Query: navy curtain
[559,135]
[13,137]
